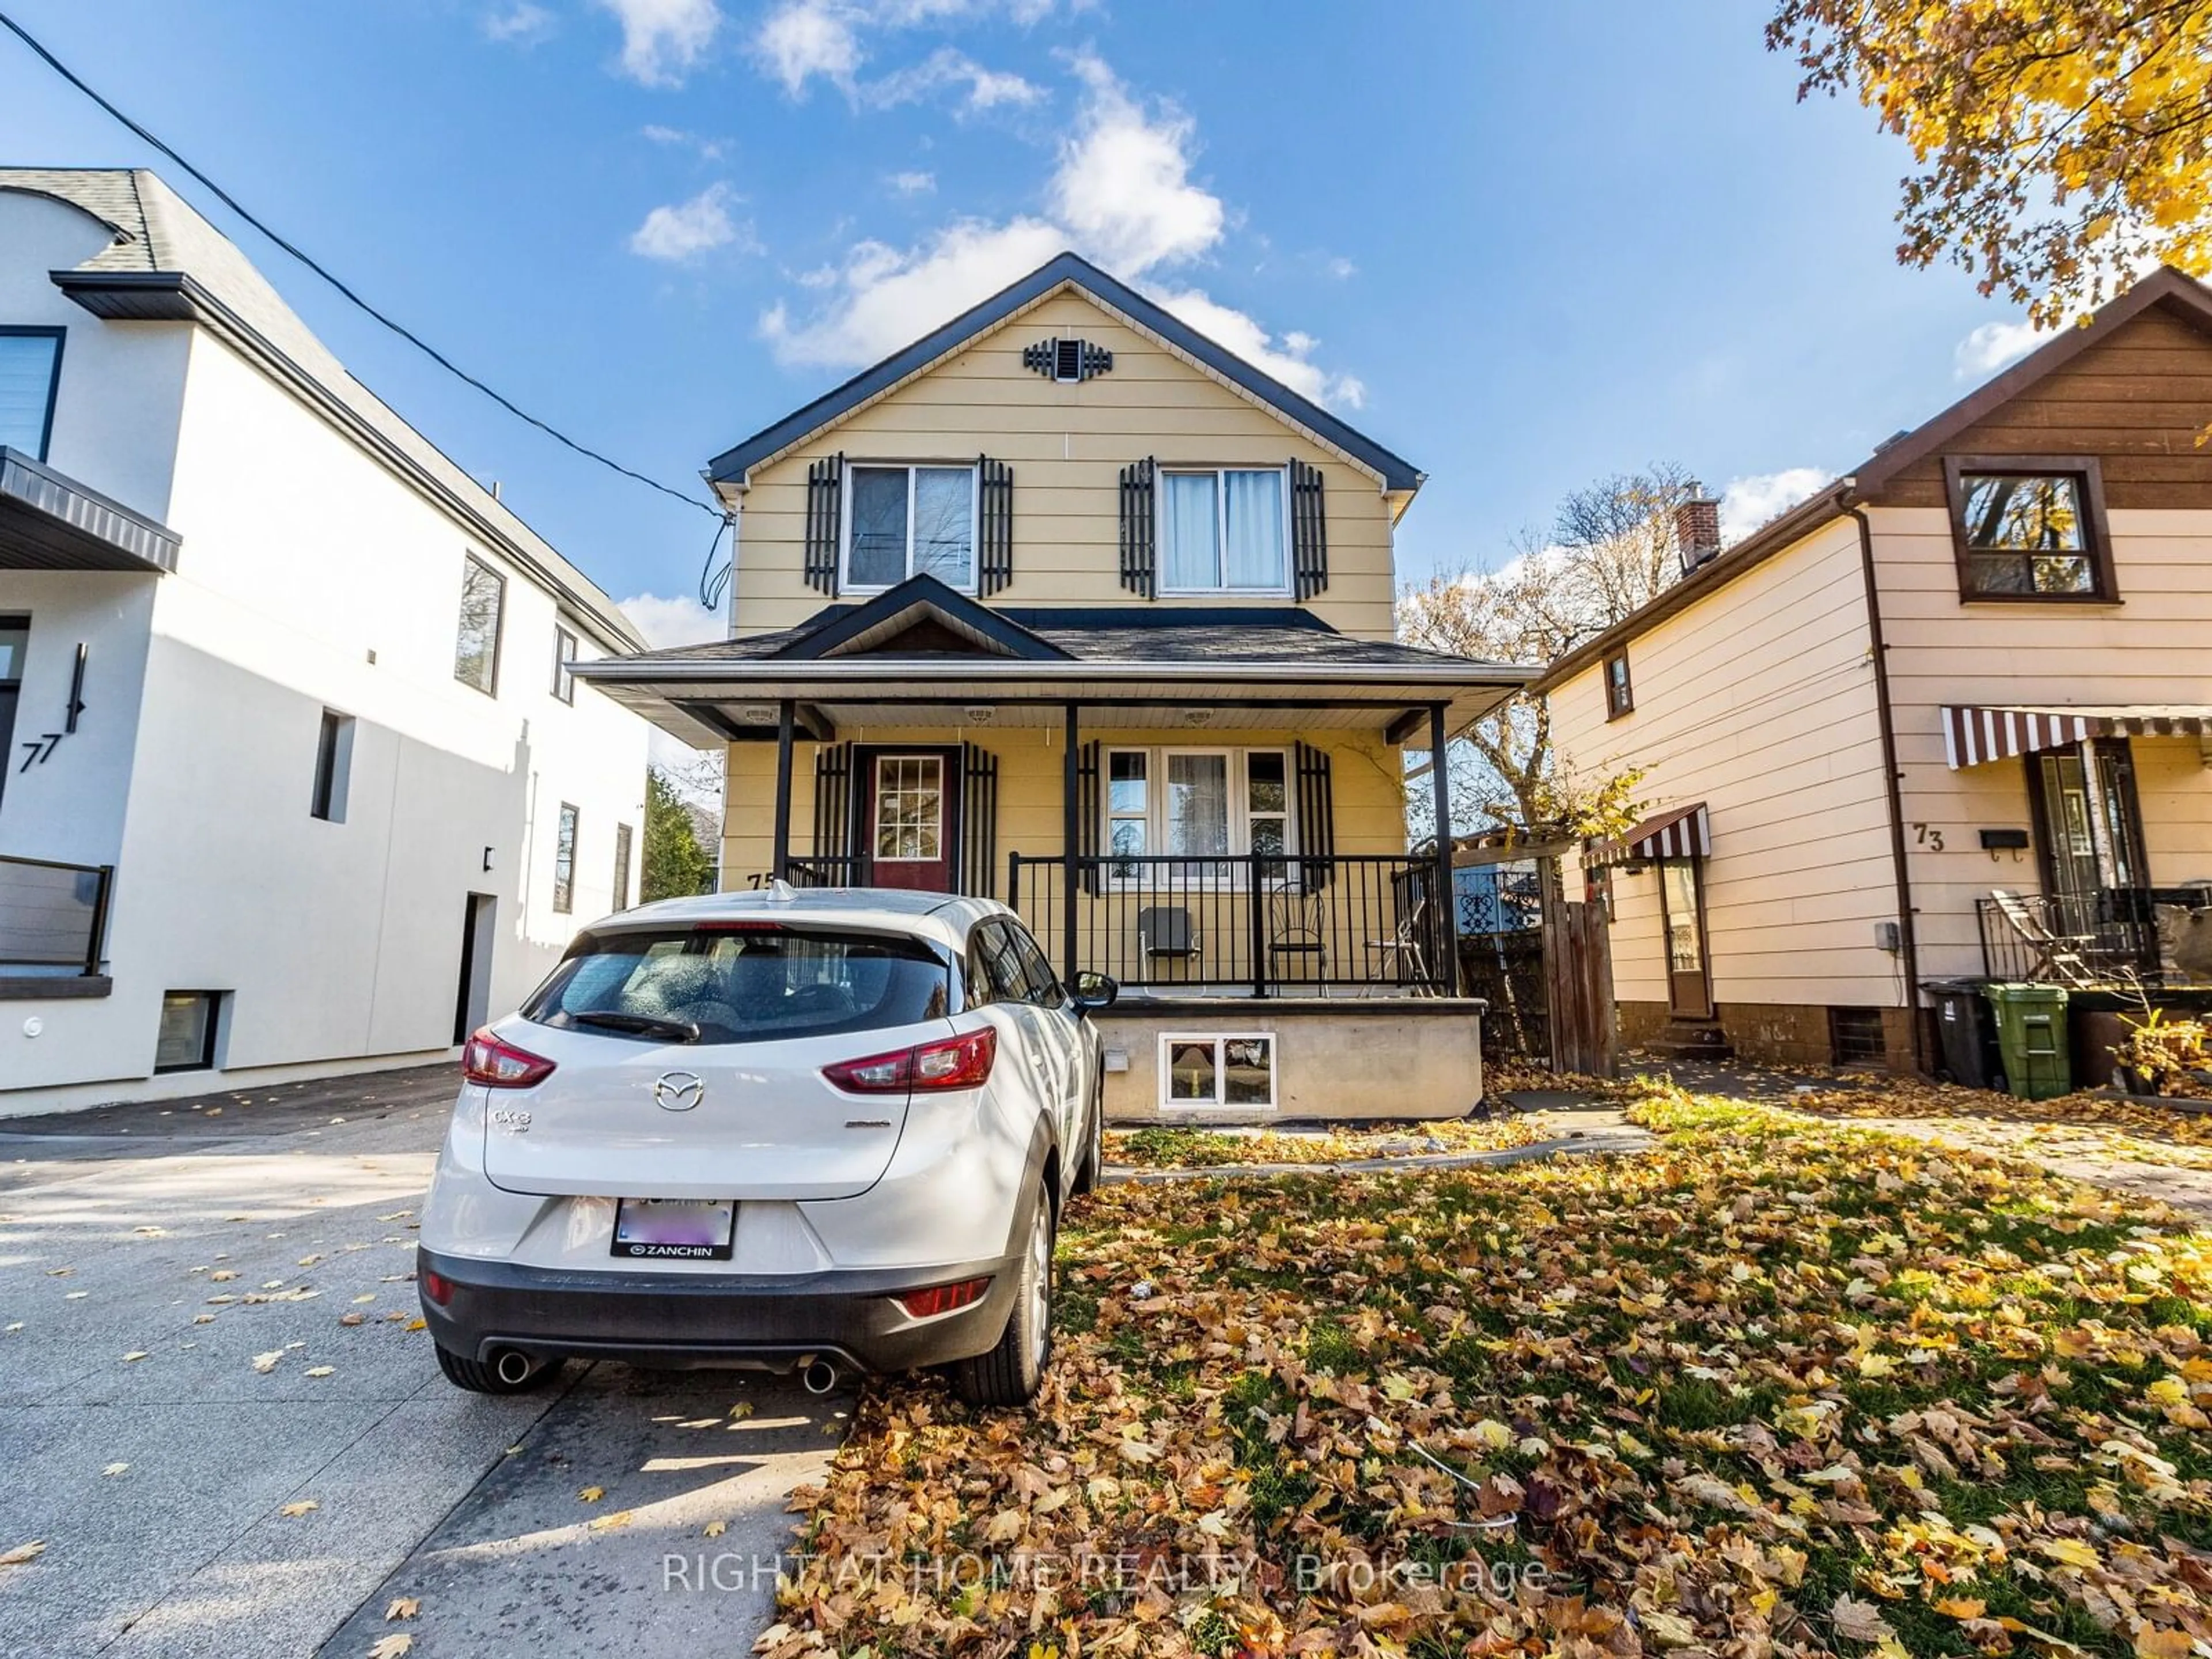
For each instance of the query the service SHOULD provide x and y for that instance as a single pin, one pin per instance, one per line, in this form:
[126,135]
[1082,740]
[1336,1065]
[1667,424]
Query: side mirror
[1094,990]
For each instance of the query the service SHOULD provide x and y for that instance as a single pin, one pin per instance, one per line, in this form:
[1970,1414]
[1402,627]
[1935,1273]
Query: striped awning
[1973,735]
[1686,832]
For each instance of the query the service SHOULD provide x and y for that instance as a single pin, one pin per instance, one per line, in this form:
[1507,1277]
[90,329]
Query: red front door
[908,827]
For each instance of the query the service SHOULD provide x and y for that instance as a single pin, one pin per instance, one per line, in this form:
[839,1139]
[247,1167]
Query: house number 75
[1924,836]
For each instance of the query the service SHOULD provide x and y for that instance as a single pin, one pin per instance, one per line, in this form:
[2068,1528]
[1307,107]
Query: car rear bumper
[686,1319]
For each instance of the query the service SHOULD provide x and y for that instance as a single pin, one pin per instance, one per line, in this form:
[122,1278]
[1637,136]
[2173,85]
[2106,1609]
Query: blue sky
[1525,246]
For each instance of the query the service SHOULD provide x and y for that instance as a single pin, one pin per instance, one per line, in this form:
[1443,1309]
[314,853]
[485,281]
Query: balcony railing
[2105,938]
[822,870]
[53,915]
[1265,926]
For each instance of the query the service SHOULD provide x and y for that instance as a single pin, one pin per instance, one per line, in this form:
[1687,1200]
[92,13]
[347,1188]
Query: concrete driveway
[216,1417]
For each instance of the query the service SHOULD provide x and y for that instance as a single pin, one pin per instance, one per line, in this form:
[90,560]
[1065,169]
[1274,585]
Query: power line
[405,333]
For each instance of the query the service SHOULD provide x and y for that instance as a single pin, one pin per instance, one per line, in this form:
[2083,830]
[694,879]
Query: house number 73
[1931,839]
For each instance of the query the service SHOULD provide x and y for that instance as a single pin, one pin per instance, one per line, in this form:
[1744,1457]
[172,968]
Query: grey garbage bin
[1968,1032]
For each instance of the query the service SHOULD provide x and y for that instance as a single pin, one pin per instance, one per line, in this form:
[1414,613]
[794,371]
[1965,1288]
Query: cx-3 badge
[678,1091]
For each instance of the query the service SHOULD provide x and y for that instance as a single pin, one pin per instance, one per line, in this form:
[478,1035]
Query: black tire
[479,1378]
[1094,1150]
[1010,1373]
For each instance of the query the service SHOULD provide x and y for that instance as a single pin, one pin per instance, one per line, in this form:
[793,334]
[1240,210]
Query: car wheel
[479,1378]
[1009,1375]
[1094,1151]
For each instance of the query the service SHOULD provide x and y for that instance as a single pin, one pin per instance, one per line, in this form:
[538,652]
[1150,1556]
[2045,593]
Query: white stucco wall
[303,558]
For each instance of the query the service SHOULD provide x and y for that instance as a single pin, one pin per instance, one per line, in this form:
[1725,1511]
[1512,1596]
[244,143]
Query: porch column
[1446,972]
[1071,839]
[786,718]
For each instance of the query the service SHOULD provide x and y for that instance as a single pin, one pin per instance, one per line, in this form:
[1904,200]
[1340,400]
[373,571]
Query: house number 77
[1924,836]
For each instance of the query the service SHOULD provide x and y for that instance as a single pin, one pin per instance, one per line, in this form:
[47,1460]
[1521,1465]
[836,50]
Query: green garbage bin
[2032,1038]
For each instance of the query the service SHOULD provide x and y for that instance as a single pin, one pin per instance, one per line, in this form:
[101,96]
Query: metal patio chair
[1297,928]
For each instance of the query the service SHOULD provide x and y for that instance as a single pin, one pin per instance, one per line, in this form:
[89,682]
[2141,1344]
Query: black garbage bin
[1968,1030]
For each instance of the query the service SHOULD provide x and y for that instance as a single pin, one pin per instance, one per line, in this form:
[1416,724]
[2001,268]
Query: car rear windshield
[748,984]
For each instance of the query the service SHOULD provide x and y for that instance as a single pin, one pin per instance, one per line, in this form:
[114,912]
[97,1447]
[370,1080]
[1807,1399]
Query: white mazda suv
[794,1130]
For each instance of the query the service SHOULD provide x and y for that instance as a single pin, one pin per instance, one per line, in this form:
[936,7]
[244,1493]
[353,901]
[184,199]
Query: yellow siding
[2150,649]
[1760,701]
[1066,445]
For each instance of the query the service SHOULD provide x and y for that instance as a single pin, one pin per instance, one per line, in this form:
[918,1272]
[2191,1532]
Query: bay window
[1222,531]
[910,521]
[1196,803]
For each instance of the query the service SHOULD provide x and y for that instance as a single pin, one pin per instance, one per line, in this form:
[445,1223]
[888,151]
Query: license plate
[675,1228]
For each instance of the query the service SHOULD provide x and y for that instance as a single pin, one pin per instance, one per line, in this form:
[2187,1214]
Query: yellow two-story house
[1068,605]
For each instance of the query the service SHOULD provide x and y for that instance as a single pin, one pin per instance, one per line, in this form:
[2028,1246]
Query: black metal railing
[2105,938]
[53,915]
[822,870]
[1268,926]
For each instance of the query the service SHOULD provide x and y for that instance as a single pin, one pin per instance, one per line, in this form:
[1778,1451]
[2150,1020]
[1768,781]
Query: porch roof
[907,656]
[1974,734]
[49,521]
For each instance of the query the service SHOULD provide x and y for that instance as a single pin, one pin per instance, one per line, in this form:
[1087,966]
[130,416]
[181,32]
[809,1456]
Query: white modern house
[297,779]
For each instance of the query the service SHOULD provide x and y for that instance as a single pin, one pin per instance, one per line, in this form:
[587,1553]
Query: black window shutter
[1089,809]
[1139,560]
[1316,817]
[994,539]
[1308,532]
[833,805]
[979,821]
[825,505]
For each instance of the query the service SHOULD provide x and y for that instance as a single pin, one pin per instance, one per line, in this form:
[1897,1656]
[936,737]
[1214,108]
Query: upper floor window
[30,371]
[475,650]
[564,652]
[909,521]
[1619,696]
[333,768]
[2029,527]
[1221,531]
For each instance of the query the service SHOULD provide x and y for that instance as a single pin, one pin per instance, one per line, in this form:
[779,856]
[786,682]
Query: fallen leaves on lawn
[1888,1097]
[1176,1147]
[1772,1387]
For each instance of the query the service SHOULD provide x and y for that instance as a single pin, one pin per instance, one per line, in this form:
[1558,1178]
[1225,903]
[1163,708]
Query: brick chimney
[1696,528]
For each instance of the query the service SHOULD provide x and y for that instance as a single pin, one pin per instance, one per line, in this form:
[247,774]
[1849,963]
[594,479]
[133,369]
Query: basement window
[1854,1036]
[185,1041]
[1217,1069]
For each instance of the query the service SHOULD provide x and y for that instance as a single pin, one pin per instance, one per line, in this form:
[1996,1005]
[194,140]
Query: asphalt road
[205,1313]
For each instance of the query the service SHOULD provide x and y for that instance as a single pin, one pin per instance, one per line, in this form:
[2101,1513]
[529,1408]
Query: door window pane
[878,557]
[1198,804]
[26,389]
[1253,522]
[1679,880]
[1192,550]
[475,650]
[564,862]
[944,524]
[910,808]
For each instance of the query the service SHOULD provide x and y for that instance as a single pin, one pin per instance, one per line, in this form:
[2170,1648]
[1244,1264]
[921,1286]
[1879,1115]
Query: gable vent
[1067,361]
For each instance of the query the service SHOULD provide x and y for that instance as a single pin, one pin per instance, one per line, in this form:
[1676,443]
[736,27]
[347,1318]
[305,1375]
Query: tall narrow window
[622,866]
[1128,810]
[1268,807]
[1222,531]
[476,649]
[1619,696]
[15,642]
[911,521]
[333,767]
[564,652]
[30,374]
[564,862]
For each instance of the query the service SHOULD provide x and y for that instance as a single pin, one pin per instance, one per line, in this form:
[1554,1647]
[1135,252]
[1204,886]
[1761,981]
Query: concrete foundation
[1776,1033]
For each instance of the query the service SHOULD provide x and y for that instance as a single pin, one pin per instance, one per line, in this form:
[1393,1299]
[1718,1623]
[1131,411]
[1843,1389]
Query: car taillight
[499,1065]
[960,1062]
[944,1298]
[437,1287]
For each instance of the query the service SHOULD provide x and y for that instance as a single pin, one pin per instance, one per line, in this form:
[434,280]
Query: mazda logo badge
[678,1092]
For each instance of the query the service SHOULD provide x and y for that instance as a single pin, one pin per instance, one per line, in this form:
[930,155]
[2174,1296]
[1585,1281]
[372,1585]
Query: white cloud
[1123,185]
[671,621]
[803,39]
[912,183]
[522,23]
[709,150]
[1290,363]
[1342,269]
[1991,347]
[883,298]
[986,88]
[684,230]
[1121,195]
[1747,503]
[663,39]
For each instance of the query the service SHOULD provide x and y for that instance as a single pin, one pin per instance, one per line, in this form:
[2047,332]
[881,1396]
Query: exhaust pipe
[820,1376]
[513,1367]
